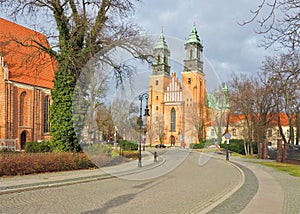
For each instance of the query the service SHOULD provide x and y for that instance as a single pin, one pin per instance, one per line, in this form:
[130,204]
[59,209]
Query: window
[156,97]
[270,133]
[173,120]
[191,54]
[234,132]
[278,133]
[189,80]
[156,82]
[212,132]
[156,108]
[46,113]
[158,58]
[22,108]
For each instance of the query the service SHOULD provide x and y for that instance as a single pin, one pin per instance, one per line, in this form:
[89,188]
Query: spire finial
[162,29]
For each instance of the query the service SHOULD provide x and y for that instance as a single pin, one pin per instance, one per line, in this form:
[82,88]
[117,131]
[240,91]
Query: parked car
[160,146]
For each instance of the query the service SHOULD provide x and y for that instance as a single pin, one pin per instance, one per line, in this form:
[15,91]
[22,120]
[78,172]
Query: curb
[228,194]
[72,181]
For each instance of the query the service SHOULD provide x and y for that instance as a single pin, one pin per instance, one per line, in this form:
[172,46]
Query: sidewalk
[269,197]
[44,180]
[259,193]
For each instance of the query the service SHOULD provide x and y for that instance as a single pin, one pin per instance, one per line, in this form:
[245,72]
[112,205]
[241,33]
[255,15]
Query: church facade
[177,109]
[26,79]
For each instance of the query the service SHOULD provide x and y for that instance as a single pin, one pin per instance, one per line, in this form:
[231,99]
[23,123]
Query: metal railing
[8,144]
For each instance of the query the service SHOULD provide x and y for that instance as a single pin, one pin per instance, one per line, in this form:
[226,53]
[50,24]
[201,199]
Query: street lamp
[141,97]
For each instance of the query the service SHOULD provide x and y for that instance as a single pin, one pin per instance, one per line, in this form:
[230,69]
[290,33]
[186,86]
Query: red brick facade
[26,78]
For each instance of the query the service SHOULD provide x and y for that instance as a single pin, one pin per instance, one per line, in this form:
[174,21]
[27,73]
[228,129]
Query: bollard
[155,156]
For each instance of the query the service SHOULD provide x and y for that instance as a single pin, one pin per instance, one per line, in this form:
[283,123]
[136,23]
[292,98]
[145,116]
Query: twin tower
[177,109]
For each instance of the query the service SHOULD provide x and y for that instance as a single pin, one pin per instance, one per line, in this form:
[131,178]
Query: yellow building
[177,109]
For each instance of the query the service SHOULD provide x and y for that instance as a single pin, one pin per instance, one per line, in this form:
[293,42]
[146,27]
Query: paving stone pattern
[238,201]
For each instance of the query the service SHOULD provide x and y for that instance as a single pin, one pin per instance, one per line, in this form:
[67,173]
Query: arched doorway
[172,139]
[23,139]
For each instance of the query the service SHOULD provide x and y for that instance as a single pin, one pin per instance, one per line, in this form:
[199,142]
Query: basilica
[177,109]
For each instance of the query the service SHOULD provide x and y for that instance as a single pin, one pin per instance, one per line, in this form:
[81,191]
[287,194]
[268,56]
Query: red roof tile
[26,64]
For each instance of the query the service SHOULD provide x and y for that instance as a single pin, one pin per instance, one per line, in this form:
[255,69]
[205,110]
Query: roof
[194,38]
[26,65]
[161,43]
[238,119]
[272,118]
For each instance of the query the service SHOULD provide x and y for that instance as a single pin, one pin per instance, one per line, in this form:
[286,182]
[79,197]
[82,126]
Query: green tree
[83,29]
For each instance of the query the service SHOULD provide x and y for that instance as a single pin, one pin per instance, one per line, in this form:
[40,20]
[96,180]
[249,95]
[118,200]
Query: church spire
[194,38]
[161,42]
[161,55]
[193,52]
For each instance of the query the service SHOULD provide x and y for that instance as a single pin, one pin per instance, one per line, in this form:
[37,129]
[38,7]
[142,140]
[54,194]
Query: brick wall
[26,118]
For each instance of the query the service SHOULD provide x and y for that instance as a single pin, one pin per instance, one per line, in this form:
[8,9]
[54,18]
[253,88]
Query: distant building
[237,127]
[26,78]
[177,109]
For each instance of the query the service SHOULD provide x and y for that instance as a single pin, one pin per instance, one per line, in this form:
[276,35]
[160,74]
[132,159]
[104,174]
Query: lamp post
[141,98]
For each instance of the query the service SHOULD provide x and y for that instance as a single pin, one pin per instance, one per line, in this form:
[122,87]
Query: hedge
[20,163]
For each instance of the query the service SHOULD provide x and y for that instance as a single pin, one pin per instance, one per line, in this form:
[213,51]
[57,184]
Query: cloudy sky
[228,47]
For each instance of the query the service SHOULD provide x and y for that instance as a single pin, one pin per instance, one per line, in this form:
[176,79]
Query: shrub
[7,150]
[234,145]
[28,163]
[197,145]
[130,154]
[36,147]
[102,154]
[202,144]
[98,148]
[128,145]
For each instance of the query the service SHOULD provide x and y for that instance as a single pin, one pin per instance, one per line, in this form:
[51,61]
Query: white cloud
[228,46]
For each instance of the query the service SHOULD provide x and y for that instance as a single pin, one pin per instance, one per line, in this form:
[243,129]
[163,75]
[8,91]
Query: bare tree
[83,30]
[219,111]
[282,78]
[279,21]
[251,98]
[157,127]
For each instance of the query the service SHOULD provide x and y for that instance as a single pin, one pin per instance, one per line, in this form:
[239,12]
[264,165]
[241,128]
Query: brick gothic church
[176,109]
[26,78]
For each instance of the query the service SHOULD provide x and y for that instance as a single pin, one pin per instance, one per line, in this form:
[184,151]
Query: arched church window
[165,60]
[191,54]
[158,58]
[173,120]
[46,113]
[22,108]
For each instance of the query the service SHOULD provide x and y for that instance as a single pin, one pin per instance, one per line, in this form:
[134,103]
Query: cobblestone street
[189,188]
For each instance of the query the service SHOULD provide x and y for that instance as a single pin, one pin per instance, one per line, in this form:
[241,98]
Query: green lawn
[292,169]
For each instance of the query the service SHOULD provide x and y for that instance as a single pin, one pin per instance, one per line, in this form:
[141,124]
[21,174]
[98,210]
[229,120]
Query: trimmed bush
[202,144]
[37,147]
[102,154]
[237,146]
[30,163]
[130,154]
[197,145]
[98,148]
[128,145]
